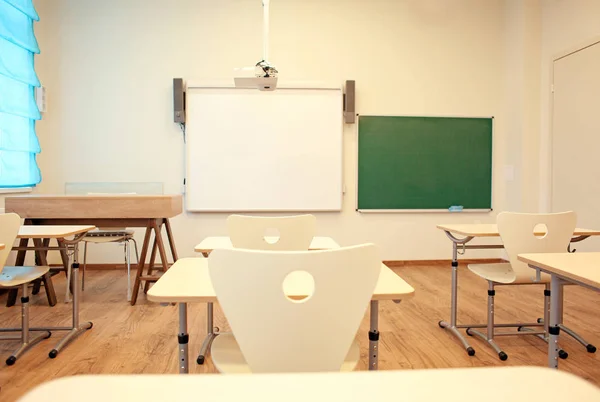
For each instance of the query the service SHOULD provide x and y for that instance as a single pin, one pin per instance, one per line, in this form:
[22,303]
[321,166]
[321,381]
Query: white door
[576,139]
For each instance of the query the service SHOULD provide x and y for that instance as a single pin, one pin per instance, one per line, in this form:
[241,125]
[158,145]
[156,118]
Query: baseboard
[391,264]
[412,263]
[110,266]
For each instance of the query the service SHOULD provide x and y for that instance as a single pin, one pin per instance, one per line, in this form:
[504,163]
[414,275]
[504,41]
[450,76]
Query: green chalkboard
[407,163]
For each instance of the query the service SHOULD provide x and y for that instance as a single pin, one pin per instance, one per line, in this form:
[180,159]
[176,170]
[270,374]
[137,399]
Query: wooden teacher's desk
[108,211]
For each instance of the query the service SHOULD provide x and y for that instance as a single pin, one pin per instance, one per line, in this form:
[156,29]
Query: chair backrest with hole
[292,333]
[252,232]
[9,229]
[534,233]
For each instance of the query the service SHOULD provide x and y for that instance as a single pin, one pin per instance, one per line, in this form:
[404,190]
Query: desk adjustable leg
[76,328]
[374,336]
[454,304]
[556,295]
[183,339]
[211,334]
[27,340]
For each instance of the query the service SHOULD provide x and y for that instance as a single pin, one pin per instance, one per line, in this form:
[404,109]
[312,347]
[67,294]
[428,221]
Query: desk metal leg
[556,295]
[76,328]
[183,339]
[27,341]
[211,334]
[454,303]
[374,336]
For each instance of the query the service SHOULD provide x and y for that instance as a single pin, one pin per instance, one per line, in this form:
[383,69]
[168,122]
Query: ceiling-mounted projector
[263,75]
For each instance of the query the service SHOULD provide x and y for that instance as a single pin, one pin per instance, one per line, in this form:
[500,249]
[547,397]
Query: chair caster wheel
[519,329]
[503,356]
[468,331]
[53,353]
[440,324]
[200,360]
[470,351]
[91,325]
[591,348]
[562,354]
[540,320]
[11,360]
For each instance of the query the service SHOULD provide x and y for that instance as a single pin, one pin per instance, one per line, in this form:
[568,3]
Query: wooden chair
[251,232]
[292,333]
[18,276]
[518,236]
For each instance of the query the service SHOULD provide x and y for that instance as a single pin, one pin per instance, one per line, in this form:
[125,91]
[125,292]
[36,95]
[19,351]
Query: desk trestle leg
[454,303]
[183,339]
[211,334]
[374,336]
[76,328]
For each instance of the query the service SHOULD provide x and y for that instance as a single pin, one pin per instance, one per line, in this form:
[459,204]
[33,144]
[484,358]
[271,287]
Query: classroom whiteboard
[249,150]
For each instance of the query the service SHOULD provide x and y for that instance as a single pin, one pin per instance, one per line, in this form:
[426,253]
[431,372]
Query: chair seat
[503,273]
[228,358]
[15,276]
[104,239]
[108,235]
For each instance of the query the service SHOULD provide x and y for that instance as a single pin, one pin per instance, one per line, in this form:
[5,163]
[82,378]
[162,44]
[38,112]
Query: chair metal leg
[489,337]
[26,340]
[69,271]
[546,307]
[128,263]
[85,245]
[137,255]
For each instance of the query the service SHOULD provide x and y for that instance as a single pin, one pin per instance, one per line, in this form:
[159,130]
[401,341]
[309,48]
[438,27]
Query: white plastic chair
[18,276]
[518,236]
[292,335]
[251,232]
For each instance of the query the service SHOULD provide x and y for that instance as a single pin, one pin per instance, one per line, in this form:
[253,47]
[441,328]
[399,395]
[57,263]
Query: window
[19,145]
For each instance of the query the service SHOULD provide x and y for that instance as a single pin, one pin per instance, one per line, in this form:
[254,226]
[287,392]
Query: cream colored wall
[108,68]
[566,26]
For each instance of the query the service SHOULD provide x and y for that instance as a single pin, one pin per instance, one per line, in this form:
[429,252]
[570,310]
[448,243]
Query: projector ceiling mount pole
[265,30]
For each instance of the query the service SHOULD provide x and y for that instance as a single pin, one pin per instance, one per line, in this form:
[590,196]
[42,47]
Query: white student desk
[219,242]
[60,233]
[468,232]
[214,242]
[188,281]
[580,268]
[498,384]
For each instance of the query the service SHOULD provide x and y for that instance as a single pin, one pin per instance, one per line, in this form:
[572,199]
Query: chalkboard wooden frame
[425,210]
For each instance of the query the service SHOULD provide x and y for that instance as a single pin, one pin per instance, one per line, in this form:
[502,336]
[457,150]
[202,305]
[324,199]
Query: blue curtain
[18,111]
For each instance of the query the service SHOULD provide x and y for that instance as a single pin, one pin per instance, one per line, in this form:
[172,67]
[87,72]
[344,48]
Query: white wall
[108,67]
[566,26]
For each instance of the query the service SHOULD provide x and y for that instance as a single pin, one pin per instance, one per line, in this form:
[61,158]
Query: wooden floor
[142,338]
